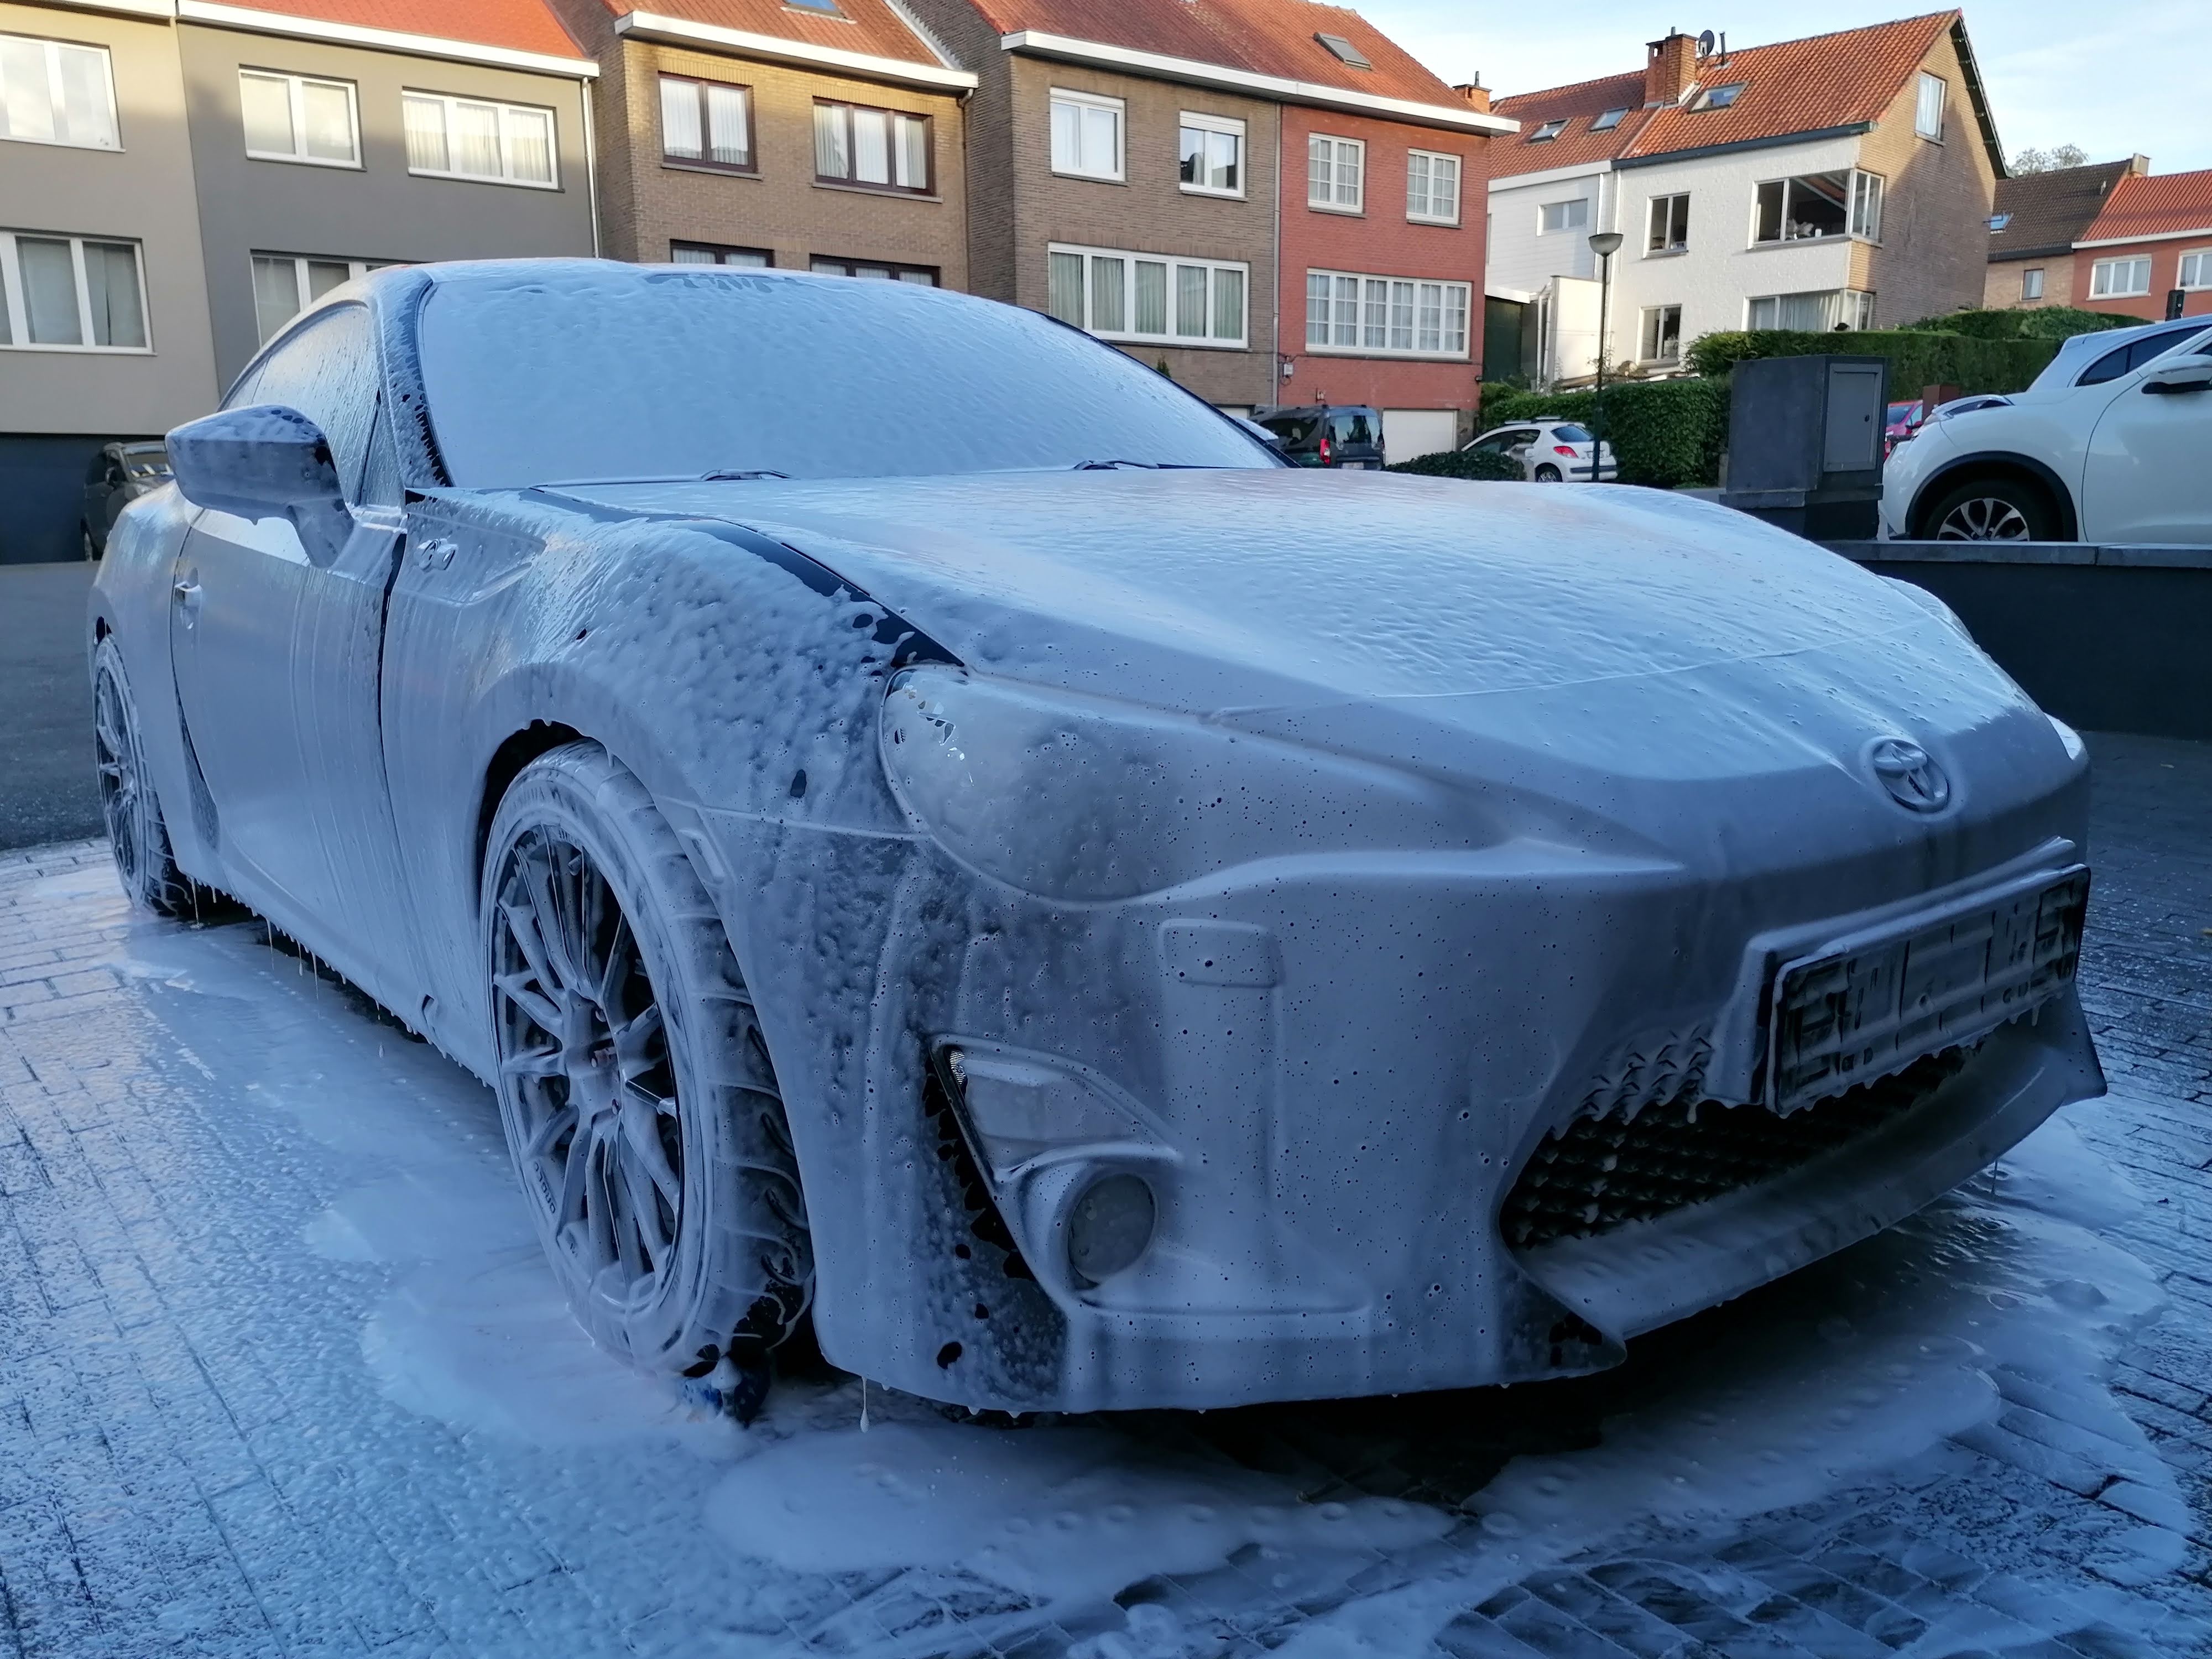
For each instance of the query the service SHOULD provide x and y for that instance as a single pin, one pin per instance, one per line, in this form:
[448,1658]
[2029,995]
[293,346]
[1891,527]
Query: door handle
[186,591]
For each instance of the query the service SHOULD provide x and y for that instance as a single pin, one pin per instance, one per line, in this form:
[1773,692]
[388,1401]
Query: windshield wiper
[719,476]
[722,474]
[1149,467]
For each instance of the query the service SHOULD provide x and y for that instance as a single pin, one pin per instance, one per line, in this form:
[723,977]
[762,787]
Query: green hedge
[2042,323]
[1663,433]
[1917,358]
[1482,463]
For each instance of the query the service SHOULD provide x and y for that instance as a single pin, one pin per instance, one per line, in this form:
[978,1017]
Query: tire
[1992,509]
[90,546]
[638,1101]
[1547,474]
[136,833]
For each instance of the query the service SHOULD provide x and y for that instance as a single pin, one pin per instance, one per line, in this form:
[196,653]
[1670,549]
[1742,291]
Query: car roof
[2076,351]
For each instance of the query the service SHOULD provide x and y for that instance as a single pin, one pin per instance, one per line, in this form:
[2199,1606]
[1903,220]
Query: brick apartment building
[2148,252]
[816,135]
[1840,181]
[2034,222]
[1179,177]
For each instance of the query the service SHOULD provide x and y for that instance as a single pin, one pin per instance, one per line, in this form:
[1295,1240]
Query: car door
[277,645]
[2147,471]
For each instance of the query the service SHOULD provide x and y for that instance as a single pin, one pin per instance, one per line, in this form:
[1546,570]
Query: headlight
[1072,797]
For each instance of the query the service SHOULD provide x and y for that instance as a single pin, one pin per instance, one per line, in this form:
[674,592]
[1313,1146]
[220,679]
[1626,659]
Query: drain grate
[1600,1173]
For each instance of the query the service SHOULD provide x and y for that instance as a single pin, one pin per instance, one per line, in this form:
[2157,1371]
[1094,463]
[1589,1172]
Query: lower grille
[1600,1173]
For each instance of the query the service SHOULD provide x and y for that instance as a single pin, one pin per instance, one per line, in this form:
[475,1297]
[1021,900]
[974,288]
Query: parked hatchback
[117,476]
[1549,452]
[1342,434]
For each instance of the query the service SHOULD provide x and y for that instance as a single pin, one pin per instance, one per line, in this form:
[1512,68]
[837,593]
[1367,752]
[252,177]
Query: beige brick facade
[1933,256]
[648,203]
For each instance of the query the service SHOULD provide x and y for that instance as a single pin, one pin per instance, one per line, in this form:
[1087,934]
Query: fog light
[1110,1226]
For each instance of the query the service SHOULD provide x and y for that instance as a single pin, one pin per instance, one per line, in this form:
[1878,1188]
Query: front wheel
[1998,509]
[640,1106]
[136,833]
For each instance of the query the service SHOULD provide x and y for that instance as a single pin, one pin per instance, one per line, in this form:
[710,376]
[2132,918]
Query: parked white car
[2109,445]
[1549,452]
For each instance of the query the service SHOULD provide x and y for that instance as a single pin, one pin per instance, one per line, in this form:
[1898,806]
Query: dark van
[1341,434]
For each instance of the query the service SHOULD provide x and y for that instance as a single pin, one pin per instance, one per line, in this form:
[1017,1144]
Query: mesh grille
[1601,1172]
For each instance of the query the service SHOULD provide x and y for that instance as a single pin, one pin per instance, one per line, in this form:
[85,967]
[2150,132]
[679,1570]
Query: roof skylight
[1548,130]
[1609,120]
[1717,97]
[1345,50]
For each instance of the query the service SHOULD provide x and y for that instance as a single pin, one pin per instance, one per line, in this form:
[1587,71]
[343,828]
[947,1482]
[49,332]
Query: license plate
[1870,1005]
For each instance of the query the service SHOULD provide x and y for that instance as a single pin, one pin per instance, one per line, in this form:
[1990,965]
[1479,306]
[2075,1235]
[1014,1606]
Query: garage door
[1407,433]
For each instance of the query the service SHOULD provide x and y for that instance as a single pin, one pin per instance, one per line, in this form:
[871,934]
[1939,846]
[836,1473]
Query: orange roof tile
[510,25]
[2161,204]
[1261,37]
[870,27]
[1791,87]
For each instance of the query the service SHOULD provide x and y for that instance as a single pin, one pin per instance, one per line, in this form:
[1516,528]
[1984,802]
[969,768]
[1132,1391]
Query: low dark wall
[42,497]
[2108,639]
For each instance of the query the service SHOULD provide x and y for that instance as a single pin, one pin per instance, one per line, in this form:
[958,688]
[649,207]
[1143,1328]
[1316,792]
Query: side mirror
[264,462]
[2182,375]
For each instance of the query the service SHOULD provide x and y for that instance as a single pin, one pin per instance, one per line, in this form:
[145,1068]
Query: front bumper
[1330,1069]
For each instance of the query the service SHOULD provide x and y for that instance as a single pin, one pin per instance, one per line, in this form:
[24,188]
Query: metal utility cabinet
[1805,444]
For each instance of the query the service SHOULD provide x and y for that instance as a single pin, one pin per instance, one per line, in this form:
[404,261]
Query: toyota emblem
[1910,774]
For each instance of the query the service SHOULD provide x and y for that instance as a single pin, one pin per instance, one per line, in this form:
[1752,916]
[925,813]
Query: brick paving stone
[197,1455]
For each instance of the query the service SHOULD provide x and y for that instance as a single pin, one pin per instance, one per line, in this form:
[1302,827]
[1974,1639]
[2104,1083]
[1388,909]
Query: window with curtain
[876,149]
[1385,315]
[1816,313]
[469,138]
[1928,112]
[2195,272]
[71,292]
[1086,134]
[2119,279]
[706,124]
[1431,187]
[56,92]
[1335,173]
[286,284]
[1121,294]
[1212,155]
[881,270]
[713,254]
[297,118]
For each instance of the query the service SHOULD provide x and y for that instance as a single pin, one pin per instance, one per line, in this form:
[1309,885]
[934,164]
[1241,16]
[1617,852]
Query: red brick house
[2152,240]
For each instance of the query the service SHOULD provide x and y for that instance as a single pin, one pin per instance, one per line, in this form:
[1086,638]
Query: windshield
[1292,430]
[588,372]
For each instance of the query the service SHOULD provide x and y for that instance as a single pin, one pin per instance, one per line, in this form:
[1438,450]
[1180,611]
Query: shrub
[1663,433]
[2044,323]
[1480,464]
[1916,357]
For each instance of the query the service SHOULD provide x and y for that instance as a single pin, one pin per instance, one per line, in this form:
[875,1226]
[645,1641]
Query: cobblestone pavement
[280,1373]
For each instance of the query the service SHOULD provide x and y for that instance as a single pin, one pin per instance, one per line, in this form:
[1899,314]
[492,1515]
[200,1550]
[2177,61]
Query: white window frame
[2031,283]
[1853,308]
[11,294]
[1571,224]
[1652,205]
[2202,258]
[1193,120]
[1854,190]
[1862,214]
[295,90]
[1427,214]
[1335,202]
[506,175]
[53,52]
[2102,273]
[1923,114]
[1174,262]
[1366,318]
[1067,97]
[299,263]
[1647,333]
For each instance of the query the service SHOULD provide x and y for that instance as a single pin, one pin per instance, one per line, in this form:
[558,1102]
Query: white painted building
[1840,182]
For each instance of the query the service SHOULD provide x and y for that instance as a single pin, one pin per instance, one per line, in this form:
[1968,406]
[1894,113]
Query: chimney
[1668,74]
[1475,94]
[2138,166]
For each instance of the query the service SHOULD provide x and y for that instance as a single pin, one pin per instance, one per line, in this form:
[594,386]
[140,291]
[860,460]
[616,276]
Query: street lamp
[1605,244]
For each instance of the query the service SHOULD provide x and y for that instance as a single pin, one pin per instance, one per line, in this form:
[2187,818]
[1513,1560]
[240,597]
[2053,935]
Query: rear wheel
[1547,474]
[640,1105]
[1993,509]
[136,832]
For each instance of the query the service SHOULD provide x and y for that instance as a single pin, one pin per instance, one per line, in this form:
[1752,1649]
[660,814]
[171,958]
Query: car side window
[327,371]
[2124,360]
[1353,429]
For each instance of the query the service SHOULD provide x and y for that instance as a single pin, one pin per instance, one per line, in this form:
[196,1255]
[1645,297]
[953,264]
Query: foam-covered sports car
[927,824]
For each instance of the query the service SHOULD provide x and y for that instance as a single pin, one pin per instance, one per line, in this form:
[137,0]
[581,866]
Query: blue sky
[2115,76]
